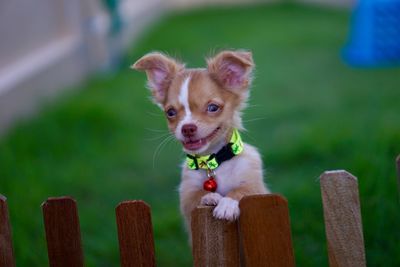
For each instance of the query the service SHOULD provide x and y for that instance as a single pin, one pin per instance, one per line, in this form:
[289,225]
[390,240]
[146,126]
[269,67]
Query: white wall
[50,45]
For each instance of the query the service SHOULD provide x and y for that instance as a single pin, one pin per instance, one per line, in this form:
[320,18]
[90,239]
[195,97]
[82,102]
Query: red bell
[210,185]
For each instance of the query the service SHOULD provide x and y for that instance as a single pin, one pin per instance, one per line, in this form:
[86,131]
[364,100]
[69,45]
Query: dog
[203,109]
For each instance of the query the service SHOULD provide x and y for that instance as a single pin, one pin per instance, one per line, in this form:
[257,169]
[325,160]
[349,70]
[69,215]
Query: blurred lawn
[309,113]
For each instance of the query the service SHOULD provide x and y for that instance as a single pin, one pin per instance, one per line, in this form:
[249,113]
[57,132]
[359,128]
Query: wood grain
[135,234]
[342,216]
[6,248]
[215,242]
[63,234]
[265,231]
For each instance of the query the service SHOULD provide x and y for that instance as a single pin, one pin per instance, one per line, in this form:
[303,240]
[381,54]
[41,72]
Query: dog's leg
[228,206]
[189,200]
[210,199]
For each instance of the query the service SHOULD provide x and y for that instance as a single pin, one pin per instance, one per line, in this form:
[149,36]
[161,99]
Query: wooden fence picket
[6,248]
[342,216]
[215,242]
[265,231]
[135,234]
[63,234]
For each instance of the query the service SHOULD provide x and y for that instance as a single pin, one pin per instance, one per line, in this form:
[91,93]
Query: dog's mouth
[195,144]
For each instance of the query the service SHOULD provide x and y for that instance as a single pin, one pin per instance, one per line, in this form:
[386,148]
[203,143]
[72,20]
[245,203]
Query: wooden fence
[261,237]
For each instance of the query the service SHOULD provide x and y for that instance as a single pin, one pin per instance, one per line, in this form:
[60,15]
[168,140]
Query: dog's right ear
[160,71]
[232,69]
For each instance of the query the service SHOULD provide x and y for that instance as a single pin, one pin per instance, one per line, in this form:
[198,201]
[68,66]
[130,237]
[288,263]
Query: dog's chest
[229,175]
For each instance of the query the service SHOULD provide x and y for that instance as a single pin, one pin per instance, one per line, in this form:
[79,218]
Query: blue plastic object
[375,34]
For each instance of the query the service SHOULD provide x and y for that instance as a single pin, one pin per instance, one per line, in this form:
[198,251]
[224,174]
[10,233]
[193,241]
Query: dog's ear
[160,71]
[232,69]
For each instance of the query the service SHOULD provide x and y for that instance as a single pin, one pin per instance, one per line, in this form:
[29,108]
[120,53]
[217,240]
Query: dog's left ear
[232,69]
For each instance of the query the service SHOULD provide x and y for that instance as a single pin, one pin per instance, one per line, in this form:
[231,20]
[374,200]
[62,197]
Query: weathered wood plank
[6,248]
[63,234]
[215,242]
[135,234]
[342,216]
[265,231]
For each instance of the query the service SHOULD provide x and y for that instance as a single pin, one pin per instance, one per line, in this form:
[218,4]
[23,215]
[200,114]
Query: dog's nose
[189,130]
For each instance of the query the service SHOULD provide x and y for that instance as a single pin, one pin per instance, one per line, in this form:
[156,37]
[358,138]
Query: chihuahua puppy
[203,109]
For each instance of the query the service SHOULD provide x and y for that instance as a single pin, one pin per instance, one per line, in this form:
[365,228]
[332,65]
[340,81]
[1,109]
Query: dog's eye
[171,113]
[212,108]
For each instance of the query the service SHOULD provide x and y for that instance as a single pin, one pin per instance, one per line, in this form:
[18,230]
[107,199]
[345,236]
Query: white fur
[184,101]
[211,199]
[184,96]
[231,174]
[227,209]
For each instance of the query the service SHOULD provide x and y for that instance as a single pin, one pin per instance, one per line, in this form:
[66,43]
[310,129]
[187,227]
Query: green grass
[309,113]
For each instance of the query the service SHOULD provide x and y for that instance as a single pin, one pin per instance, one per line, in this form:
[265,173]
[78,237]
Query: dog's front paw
[211,199]
[227,209]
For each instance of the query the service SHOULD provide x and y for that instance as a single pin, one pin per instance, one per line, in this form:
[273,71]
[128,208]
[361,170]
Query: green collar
[233,148]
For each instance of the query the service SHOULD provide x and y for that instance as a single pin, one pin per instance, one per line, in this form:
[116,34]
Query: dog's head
[201,105]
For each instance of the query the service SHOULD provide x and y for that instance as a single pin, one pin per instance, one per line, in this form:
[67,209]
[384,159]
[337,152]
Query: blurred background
[75,120]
